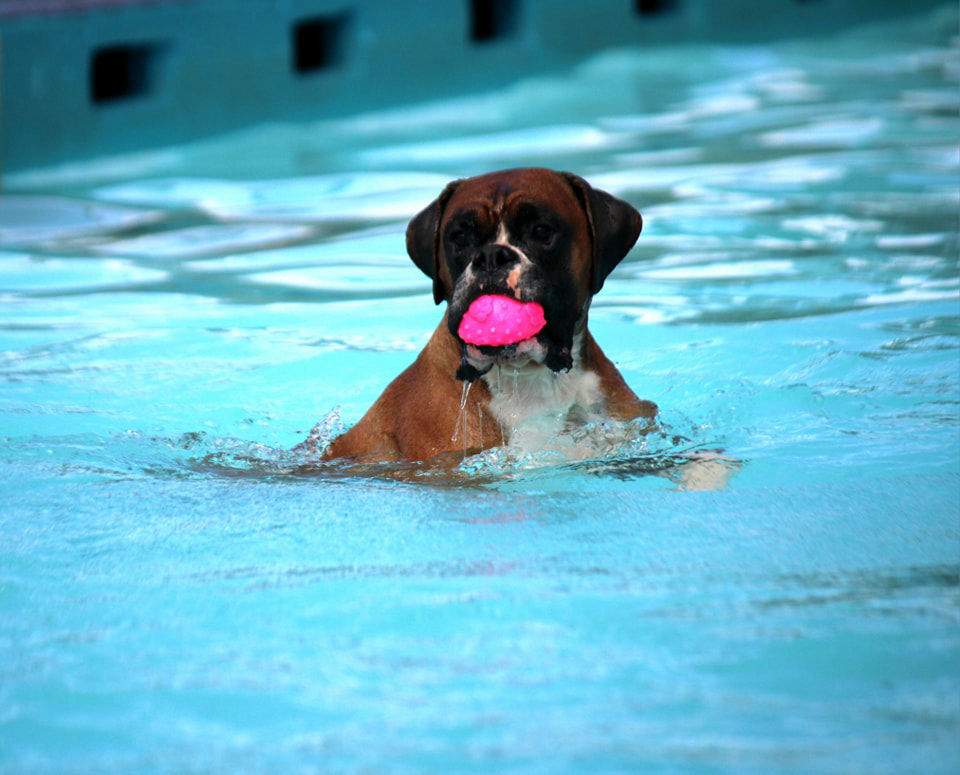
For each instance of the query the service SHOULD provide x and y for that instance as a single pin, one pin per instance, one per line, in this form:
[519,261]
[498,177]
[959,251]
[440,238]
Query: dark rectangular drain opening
[318,42]
[492,19]
[122,72]
[653,7]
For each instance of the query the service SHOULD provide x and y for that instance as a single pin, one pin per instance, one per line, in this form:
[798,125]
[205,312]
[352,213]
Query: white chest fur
[533,404]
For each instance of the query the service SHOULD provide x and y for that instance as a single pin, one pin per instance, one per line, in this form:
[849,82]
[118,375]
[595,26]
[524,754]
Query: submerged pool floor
[175,596]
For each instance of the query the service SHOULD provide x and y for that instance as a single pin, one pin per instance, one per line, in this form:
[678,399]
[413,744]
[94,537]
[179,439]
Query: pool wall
[84,78]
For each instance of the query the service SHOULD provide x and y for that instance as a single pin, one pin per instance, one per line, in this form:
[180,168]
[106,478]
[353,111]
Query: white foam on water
[380,247]
[902,241]
[500,145]
[835,228]
[28,219]
[914,289]
[375,278]
[913,262]
[909,296]
[786,85]
[87,172]
[930,100]
[644,316]
[720,105]
[667,156]
[360,196]
[723,270]
[22,272]
[205,240]
[839,132]
[694,200]
[170,192]
[625,179]
[703,180]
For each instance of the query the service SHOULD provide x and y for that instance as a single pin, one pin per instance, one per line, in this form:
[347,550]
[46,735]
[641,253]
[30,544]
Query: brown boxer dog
[533,235]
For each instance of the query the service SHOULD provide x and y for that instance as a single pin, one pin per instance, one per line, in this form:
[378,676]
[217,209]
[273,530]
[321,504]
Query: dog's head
[531,234]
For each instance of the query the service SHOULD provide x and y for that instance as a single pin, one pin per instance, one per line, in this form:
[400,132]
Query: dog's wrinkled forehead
[597,228]
[494,198]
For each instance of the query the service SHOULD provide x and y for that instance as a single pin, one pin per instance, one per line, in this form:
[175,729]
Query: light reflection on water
[180,591]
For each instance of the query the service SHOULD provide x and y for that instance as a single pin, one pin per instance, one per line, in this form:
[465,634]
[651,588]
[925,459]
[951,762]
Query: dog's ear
[614,227]
[423,240]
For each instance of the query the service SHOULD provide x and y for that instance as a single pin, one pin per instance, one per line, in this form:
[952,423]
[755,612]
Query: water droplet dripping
[462,415]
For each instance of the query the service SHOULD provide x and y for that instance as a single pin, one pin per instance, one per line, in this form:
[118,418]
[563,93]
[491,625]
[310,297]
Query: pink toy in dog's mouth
[499,320]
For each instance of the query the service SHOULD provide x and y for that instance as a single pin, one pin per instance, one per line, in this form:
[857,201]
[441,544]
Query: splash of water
[321,435]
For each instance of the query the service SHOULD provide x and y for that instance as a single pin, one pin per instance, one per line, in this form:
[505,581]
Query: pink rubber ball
[498,320]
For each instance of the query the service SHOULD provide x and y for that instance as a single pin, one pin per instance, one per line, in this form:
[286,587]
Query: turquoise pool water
[176,595]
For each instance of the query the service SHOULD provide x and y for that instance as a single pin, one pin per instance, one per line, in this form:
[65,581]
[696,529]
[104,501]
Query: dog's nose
[491,257]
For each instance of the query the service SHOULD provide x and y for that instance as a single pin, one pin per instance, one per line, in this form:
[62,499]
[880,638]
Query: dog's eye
[542,233]
[460,238]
